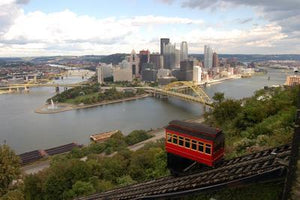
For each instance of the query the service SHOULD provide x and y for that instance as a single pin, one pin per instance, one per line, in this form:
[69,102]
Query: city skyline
[46,28]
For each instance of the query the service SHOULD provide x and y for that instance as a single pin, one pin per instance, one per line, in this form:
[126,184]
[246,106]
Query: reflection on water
[25,130]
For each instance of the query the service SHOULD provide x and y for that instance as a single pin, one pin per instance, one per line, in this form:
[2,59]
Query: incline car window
[169,137]
[175,139]
[194,144]
[180,142]
[187,143]
[208,148]
[201,147]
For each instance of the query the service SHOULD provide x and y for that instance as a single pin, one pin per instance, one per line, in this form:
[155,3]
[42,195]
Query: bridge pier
[57,89]
[26,89]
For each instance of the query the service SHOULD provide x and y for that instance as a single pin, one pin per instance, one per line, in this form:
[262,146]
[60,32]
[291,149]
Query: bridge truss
[185,90]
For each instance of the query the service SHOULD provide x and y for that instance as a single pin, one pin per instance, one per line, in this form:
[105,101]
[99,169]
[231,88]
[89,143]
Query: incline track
[263,165]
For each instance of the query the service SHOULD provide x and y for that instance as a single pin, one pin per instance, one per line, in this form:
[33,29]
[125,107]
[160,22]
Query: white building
[134,62]
[208,56]
[163,73]
[197,74]
[100,74]
[122,74]
[183,51]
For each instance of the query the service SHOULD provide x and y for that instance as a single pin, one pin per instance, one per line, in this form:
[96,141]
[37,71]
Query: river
[24,130]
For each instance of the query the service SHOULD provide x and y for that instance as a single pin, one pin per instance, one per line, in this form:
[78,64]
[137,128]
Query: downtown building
[208,56]
[169,56]
[144,57]
[163,43]
[183,51]
[123,72]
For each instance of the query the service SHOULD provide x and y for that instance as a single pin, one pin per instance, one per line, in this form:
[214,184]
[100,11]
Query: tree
[13,195]
[9,168]
[80,188]
[227,110]
[219,97]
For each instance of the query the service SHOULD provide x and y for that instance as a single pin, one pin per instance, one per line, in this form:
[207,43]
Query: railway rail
[264,165]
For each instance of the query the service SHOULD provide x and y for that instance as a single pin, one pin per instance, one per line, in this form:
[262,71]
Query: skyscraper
[183,51]
[100,74]
[134,63]
[157,60]
[144,56]
[215,60]
[177,58]
[169,56]
[208,56]
[163,42]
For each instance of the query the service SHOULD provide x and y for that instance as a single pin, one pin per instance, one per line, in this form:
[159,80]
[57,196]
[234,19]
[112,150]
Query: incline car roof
[194,129]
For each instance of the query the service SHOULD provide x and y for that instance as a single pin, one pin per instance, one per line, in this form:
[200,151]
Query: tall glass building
[183,51]
[208,56]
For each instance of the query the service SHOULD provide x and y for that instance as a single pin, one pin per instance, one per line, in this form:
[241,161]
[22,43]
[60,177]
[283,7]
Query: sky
[94,27]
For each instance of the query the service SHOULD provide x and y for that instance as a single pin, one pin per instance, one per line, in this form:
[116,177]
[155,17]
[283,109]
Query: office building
[122,74]
[149,74]
[197,74]
[186,71]
[144,57]
[183,51]
[163,43]
[157,60]
[169,56]
[100,74]
[208,56]
[177,58]
[134,63]
[215,60]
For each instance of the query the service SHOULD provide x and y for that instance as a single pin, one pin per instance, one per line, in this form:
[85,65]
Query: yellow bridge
[185,90]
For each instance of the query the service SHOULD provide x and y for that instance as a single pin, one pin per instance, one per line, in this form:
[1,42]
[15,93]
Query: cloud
[166,1]
[9,11]
[244,21]
[284,13]
[66,29]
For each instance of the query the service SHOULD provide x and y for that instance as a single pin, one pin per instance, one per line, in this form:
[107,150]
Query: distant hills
[254,57]
[118,57]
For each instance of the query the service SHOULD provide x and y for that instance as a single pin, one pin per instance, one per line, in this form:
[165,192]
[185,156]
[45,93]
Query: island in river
[88,96]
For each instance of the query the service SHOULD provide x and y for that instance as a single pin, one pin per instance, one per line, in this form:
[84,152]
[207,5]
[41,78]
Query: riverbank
[217,81]
[63,107]
[4,92]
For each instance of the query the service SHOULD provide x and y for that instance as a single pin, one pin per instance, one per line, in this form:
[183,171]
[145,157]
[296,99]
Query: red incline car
[189,143]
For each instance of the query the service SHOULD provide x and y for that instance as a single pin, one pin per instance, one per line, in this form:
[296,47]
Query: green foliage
[69,178]
[226,110]
[219,97]
[136,136]
[144,166]
[80,188]
[9,168]
[33,187]
[125,180]
[13,195]
[262,121]
[91,94]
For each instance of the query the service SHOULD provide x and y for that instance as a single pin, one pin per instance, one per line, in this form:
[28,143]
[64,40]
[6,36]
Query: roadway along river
[25,130]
